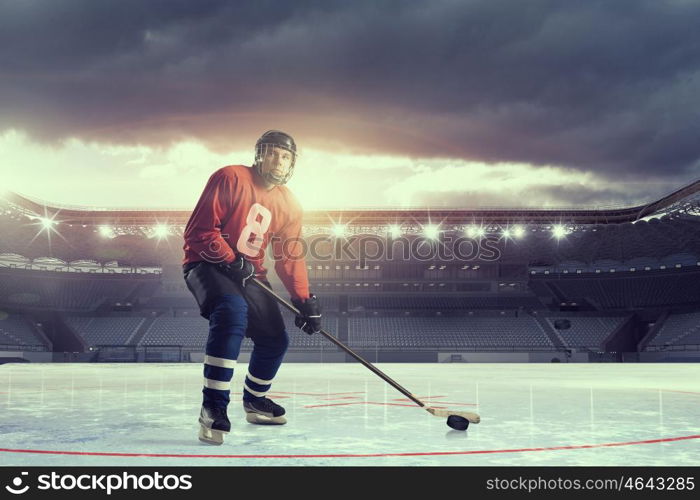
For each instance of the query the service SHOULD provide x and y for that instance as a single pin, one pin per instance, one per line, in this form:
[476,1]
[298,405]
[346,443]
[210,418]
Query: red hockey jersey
[236,214]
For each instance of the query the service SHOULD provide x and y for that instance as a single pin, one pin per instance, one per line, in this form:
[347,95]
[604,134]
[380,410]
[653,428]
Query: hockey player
[240,212]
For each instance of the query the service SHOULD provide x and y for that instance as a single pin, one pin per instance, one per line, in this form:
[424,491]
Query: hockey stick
[438,412]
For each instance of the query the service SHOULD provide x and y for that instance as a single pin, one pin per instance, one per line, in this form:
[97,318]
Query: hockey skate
[213,424]
[264,411]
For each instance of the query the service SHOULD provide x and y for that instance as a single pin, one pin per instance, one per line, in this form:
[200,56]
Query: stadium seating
[193,332]
[423,302]
[678,329]
[105,331]
[447,333]
[587,332]
[328,302]
[406,304]
[678,288]
[47,290]
[15,331]
[188,332]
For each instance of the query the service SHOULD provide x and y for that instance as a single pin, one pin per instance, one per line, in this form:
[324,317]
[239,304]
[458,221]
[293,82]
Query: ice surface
[342,414]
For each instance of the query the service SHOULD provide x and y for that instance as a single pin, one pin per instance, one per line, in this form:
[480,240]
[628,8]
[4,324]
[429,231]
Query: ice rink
[342,414]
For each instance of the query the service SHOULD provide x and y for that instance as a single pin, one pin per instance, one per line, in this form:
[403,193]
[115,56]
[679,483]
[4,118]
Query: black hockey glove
[309,318]
[240,270]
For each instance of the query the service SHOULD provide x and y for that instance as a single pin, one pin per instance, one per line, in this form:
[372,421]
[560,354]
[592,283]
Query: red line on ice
[359,455]
[341,397]
[419,397]
[439,402]
[682,392]
[443,402]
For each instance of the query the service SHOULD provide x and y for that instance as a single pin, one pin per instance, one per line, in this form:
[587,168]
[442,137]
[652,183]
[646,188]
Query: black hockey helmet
[274,138]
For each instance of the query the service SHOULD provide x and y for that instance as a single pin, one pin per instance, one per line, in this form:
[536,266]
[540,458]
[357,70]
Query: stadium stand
[179,301]
[300,341]
[677,330]
[105,331]
[586,332]
[434,303]
[192,333]
[329,302]
[16,332]
[52,290]
[630,292]
[188,332]
[449,333]
[476,305]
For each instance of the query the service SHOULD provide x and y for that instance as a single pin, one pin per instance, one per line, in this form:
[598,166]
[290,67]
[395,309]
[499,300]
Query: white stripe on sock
[258,380]
[220,362]
[217,384]
[254,393]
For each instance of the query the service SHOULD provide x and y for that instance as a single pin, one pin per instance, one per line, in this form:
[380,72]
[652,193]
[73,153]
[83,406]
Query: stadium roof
[686,196]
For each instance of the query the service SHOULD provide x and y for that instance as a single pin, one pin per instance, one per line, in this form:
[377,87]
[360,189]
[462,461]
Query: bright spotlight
[339,230]
[558,231]
[160,231]
[476,231]
[394,231]
[106,232]
[507,233]
[46,223]
[431,231]
[518,232]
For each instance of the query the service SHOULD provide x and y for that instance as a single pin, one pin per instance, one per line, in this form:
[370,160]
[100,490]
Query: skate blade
[256,418]
[210,436]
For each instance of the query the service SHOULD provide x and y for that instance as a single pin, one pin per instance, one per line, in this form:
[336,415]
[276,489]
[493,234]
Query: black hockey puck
[457,423]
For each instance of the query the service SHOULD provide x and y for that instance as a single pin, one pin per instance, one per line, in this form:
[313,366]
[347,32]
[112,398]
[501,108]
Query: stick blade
[473,418]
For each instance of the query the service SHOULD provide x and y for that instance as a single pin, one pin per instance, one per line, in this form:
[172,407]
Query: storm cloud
[604,87]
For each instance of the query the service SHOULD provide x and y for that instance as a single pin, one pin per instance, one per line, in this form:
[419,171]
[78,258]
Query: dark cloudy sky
[455,103]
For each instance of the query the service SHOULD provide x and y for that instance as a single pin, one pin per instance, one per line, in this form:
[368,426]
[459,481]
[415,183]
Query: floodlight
[431,231]
[46,223]
[394,231]
[339,230]
[558,231]
[160,231]
[106,232]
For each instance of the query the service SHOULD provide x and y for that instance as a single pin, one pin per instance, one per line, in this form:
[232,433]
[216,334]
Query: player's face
[277,161]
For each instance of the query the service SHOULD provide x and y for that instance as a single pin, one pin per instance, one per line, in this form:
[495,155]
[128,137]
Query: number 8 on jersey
[253,234]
